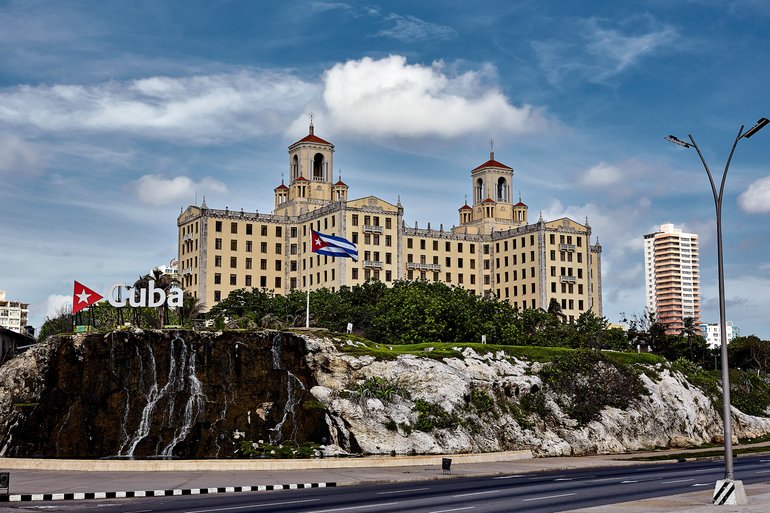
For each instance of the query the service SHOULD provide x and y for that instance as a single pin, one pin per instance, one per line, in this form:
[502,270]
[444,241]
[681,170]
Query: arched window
[479,190]
[294,167]
[502,189]
[318,167]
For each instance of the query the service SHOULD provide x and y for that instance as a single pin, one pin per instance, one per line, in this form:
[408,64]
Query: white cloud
[18,157]
[157,190]
[597,53]
[409,29]
[388,97]
[601,175]
[756,198]
[229,106]
[55,304]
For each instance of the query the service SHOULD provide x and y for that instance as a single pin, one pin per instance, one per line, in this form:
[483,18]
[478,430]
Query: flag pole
[307,282]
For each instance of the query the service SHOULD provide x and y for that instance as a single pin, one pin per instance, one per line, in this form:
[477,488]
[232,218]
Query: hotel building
[13,314]
[672,277]
[493,250]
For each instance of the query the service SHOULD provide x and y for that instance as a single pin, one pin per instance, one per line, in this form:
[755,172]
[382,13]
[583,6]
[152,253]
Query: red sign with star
[83,297]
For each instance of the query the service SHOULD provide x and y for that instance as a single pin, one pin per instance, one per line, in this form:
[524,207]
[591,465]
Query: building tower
[672,277]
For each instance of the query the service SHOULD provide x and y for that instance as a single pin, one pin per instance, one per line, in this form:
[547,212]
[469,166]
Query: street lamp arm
[708,172]
[727,165]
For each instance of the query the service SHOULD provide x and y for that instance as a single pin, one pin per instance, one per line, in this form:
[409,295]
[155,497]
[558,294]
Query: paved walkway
[25,481]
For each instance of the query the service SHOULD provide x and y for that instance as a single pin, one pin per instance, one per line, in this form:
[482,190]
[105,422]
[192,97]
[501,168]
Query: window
[217,295]
[248,263]
[217,261]
[460,263]
[248,280]
[448,277]
[263,247]
[249,228]
[355,238]
[248,246]
[293,231]
[263,281]
[387,240]
[473,263]
[448,262]
[263,230]
[233,262]
[553,286]
[233,279]
[277,265]
[388,274]
[409,243]
[233,227]
[355,273]
[263,264]
[278,248]
[234,245]
[217,243]
[387,223]
[354,219]
[435,245]
[552,238]
[422,243]
[217,278]
[218,226]
[277,231]
[278,282]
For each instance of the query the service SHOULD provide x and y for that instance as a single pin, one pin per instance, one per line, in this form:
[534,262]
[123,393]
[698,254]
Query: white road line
[403,491]
[477,493]
[677,481]
[703,484]
[565,479]
[705,470]
[762,471]
[630,481]
[606,479]
[351,508]
[252,506]
[508,477]
[455,509]
[547,497]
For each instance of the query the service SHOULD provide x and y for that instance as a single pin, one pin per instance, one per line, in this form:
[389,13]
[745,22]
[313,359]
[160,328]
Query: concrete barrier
[255,464]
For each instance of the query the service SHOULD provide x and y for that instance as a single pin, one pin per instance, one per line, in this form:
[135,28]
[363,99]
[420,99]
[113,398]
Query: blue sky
[114,115]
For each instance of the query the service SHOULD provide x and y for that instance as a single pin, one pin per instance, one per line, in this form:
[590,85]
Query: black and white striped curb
[156,493]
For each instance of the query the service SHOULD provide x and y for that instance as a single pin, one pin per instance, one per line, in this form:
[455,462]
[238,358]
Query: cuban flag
[330,245]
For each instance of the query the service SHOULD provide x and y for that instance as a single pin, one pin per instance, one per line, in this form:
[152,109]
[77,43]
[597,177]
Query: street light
[729,490]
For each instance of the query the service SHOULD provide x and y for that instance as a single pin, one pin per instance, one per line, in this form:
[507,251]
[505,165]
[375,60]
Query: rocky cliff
[196,395]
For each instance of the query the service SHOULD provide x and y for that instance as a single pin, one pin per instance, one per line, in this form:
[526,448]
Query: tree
[750,353]
[60,322]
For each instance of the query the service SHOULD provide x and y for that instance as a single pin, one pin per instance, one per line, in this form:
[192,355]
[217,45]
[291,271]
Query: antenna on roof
[491,149]
[310,116]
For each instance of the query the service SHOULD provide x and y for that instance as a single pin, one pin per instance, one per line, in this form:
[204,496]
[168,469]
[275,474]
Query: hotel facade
[493,250]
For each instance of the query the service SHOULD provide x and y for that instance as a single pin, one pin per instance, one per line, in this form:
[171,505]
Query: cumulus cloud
[756,198]
[388,97]
[410,29]
[55,304]
[157,190]
[214,107]
[601,175]
[19,157]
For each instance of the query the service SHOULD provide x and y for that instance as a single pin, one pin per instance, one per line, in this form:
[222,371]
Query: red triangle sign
[83,297]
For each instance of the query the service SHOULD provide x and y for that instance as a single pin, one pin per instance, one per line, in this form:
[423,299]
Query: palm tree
[688,331]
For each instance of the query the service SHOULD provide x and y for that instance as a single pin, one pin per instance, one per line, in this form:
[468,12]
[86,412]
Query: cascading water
[193,406]
[292,398]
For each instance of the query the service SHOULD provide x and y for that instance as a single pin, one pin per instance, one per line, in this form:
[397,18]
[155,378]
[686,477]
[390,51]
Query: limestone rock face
[193,394]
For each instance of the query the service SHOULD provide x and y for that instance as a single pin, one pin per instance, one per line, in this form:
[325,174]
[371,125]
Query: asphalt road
[533,493]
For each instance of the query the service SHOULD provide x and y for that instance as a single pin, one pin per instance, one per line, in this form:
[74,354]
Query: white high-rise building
[712,333]
[672,277]
[13,314]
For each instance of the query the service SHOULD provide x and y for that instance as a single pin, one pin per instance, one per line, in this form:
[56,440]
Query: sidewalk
[135,476]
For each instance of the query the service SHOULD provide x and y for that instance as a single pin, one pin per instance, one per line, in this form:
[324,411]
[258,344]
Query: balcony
[187,236]
[373,264]
[567,247]
[423,267]
[567,279]
[187,270]
[370,228]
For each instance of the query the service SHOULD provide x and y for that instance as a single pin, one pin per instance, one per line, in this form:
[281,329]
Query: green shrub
[379,388]
[587,381]
[432,416]
[749,393]
[481,400]
[260,449]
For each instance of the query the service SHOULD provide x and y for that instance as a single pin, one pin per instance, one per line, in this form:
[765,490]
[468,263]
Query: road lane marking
[606,479]
[703,484]
[403,491]
[705,470]
[547,497]
[455,509]
[565,479]
[233,508]
[677,481]
[630,481]
[477,493]
[351,508]
[762,471]
[508,477]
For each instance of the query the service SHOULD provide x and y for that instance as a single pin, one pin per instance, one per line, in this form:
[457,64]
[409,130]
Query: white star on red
[83,296]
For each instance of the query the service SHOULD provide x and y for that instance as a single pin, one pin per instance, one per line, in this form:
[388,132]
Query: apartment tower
[672,277]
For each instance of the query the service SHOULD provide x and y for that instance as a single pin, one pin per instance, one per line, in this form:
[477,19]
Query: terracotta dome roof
[465,207]
[492,163]
[300,179]
[280,187]
[520,204]
[341,183]
[489,200]
[313,139]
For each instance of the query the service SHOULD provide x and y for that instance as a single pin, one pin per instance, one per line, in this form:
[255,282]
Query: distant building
[171,270]
[672,277]
[13,314]
[493,251]
[712,333]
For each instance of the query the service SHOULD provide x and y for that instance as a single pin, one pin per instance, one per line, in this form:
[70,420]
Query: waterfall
[292,400]
[193,406]
[276,350]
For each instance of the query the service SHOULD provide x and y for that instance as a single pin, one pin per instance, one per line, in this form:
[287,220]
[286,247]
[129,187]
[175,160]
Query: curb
[27,497]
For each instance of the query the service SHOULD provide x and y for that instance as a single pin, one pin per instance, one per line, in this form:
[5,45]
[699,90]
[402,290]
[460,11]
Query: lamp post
[727,491]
